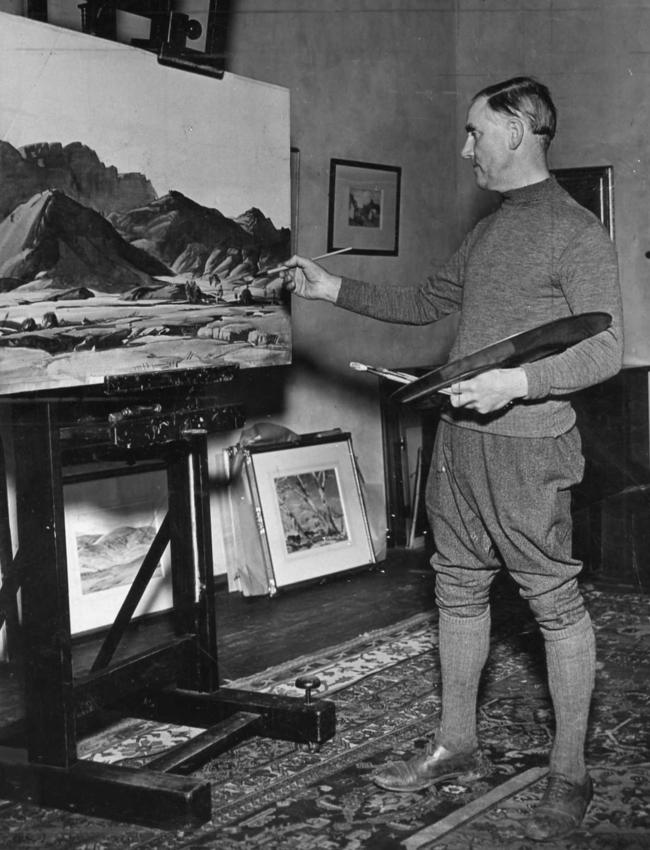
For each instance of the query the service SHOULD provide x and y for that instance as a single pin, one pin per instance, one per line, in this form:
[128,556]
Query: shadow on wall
[264,390]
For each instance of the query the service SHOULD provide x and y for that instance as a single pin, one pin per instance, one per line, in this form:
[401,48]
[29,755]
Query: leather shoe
[434,765]
[561,809]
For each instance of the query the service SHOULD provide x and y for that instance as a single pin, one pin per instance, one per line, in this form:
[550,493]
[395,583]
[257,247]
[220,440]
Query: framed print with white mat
[110,524]
[308,507]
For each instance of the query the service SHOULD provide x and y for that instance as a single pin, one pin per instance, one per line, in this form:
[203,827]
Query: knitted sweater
[541,256]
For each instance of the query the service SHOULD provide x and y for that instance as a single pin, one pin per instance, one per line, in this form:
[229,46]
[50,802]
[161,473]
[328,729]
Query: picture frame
[593,188]
[294,164]
[364,207]
[110,522]
[307,504]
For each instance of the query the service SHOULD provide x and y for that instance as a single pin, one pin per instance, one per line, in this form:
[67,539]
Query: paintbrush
[400,377]
[319,257]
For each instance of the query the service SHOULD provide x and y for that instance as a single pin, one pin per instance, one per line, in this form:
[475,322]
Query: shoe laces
[557,788]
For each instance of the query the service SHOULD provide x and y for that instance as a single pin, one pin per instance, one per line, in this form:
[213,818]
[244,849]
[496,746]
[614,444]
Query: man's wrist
[333,288]
[519,380]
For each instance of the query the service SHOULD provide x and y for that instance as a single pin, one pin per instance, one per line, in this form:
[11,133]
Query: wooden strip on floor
[432,833]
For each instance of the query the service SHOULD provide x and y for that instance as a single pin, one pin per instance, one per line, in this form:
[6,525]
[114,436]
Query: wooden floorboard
[260,632]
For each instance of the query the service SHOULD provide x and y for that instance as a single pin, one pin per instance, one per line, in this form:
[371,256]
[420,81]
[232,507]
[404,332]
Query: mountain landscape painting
[140,238]
[108,531]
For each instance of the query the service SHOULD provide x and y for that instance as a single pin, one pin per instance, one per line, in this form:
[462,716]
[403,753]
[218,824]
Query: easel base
[135,795]
[160,794]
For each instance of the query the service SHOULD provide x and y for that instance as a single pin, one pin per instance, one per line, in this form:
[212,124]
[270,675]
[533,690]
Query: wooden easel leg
[191,553]
[49,706]
[111,791]
[9,570]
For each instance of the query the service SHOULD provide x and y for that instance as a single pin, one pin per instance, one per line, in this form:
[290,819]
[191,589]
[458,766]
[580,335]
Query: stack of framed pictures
[298,514]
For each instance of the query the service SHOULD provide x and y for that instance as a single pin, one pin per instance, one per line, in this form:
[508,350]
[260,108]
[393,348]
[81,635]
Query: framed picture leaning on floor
[300,514]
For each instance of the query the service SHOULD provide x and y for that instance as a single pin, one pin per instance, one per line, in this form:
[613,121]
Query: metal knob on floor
[308,684]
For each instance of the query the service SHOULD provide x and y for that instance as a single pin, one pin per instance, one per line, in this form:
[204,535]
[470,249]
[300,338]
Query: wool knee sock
[571,664]
[464,646]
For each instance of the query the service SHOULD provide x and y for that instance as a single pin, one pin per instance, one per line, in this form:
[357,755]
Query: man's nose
[468,148]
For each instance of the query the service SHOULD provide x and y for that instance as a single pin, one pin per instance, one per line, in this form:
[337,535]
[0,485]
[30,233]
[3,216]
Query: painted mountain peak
[74,169]
[54,242]
[191,238]
[70,224]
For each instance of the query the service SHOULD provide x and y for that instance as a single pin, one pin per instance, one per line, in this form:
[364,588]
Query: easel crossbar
[133,597]
[283,717]
[189,755]
[157,668]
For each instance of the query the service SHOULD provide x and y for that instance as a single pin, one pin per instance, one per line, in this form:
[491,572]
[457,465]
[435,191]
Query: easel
[175,682]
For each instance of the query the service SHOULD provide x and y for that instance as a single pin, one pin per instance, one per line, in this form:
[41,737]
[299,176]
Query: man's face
[487,145]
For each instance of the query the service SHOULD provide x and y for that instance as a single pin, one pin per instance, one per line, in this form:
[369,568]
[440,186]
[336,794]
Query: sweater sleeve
[588,276]
[438,295]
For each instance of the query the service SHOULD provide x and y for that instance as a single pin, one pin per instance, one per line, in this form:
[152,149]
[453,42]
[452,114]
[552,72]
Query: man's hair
[524,96]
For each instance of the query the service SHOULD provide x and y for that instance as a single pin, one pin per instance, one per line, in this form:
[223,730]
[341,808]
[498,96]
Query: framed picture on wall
[110,524]
[592,187]
[295,196]
[364,207]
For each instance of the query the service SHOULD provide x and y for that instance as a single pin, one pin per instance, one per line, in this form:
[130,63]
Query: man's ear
[516,131]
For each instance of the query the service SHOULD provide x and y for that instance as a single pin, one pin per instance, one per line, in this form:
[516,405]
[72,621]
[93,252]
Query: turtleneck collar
[532,192]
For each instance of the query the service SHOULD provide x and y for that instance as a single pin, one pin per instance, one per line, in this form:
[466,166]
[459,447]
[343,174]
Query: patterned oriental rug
[269,795]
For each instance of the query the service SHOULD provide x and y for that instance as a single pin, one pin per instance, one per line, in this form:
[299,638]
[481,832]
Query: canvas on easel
[141,206]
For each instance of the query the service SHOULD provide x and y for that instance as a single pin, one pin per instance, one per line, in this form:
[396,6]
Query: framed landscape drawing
[311,515]
[364,204]
[110,525]
[141,206]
